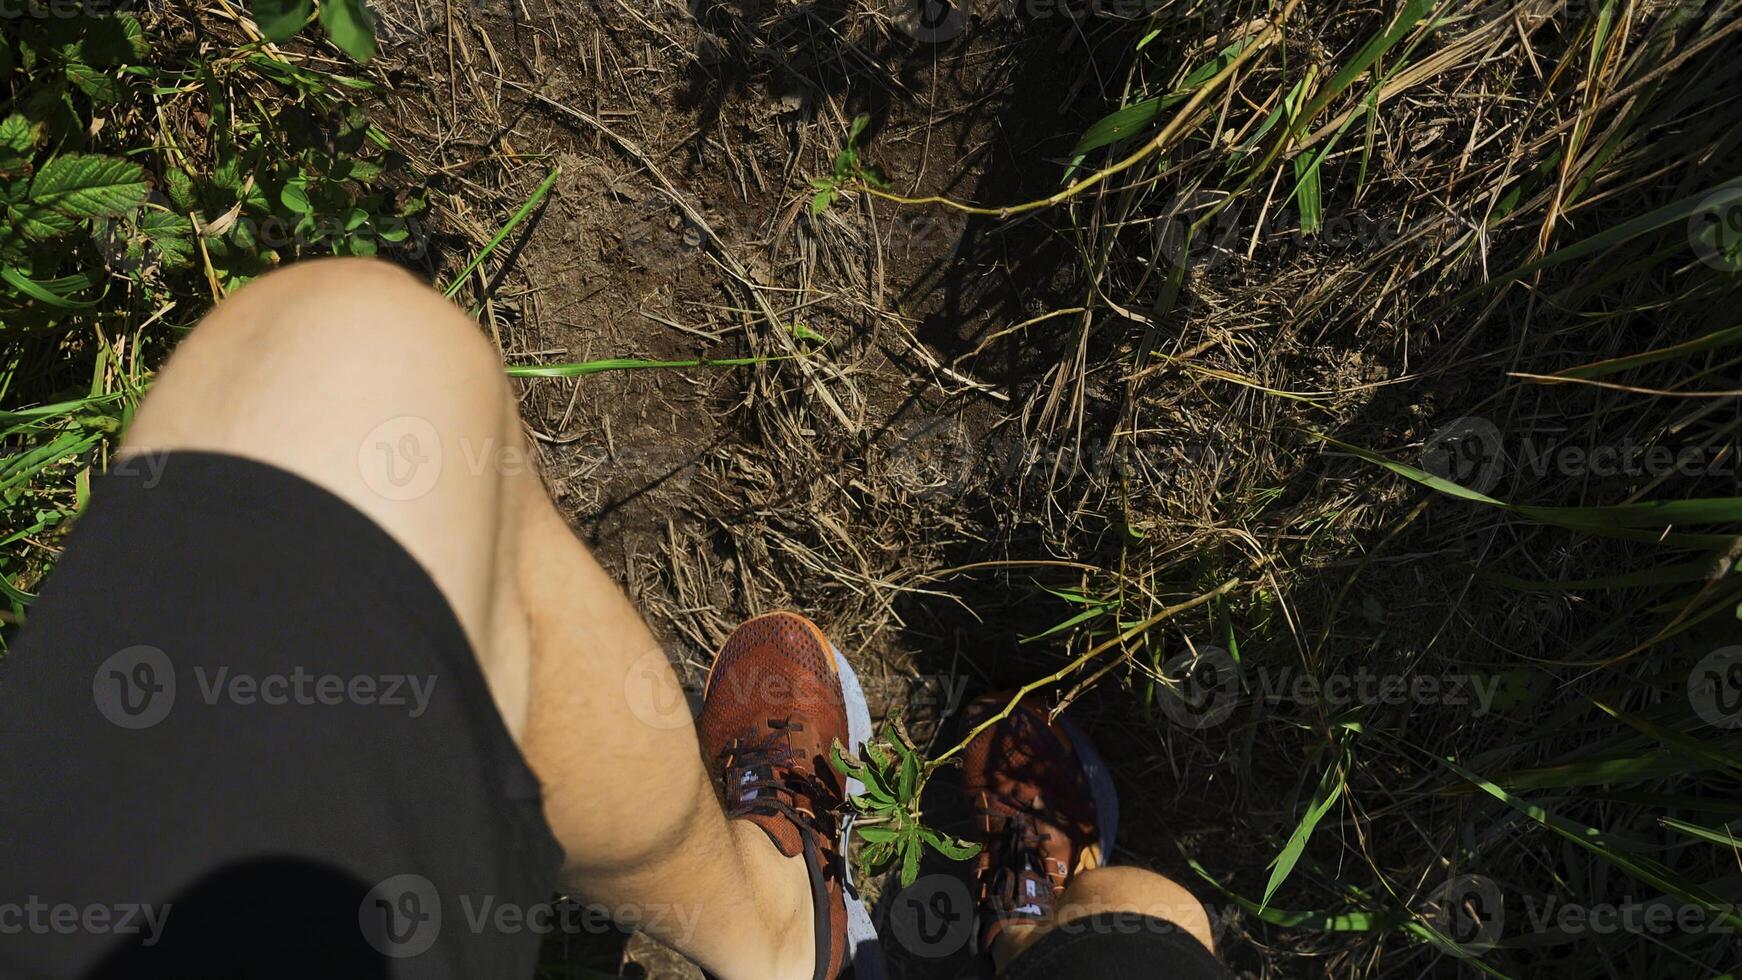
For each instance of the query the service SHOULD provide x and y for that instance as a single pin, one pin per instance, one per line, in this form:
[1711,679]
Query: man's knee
[317,352]
[1137,893]
[358,378]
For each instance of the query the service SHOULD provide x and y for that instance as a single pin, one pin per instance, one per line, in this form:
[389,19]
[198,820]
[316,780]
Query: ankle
[782,895]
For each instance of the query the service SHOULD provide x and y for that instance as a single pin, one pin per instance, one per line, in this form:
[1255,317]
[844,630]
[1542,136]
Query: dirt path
[681,217]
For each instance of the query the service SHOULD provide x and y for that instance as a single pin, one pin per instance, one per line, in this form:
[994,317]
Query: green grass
[1557,255]
[141,181]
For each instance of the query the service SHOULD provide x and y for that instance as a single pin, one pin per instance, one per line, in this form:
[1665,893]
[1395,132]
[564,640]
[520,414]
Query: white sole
[863,951]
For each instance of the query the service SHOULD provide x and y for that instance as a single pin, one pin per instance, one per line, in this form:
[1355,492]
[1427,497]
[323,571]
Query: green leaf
[1685,745]
[180,186]
[295,198]
[94,82]
[350,25]
[1640,868]
[41,291]
[1306,192]
[955,850]
[821,200]
[1407,18]
[84,185]
[171,234]
[629,364]
[910,854]
[108,42]
[908,781]
[227,175]
[1117,125]
[39,222]
[18,133]
[1720,338]
[1722,838]
[279,20]
[880,795]
[876,835]
[877,855]
[1330,789]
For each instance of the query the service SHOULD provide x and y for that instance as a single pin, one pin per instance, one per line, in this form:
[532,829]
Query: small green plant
[53,190]
[849,169]
[888,812]
[347,22]
[142,178]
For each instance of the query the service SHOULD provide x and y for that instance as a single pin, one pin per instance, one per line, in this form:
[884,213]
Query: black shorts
[1116,946]
[244,735]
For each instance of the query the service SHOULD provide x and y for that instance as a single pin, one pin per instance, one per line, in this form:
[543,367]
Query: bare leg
[1110,889]
[363,381]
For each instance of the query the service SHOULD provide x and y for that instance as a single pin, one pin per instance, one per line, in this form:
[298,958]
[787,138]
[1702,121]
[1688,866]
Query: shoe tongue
[759,795]
[1032,895]
[753,784]
[1025,893]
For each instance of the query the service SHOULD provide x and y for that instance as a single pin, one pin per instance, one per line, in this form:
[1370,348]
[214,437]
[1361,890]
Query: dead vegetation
[987,419]
[1025,397]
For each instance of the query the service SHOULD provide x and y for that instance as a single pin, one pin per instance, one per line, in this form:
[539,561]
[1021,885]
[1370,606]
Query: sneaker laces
[1019,885]
[764,777]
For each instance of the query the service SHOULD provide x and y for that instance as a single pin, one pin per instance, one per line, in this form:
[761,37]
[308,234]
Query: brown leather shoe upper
[772,710]
[1034,809]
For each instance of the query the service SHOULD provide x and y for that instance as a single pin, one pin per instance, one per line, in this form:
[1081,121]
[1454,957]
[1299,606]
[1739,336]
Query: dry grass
[1016,420]
[992,424]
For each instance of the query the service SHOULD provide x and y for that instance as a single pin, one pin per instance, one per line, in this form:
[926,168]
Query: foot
[778,698]
[1044,807]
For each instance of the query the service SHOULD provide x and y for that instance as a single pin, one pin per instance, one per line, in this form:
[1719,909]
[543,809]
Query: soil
[686,140]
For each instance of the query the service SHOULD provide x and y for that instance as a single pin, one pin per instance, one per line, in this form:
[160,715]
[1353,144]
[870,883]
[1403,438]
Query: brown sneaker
[778,697]
[1044,805]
